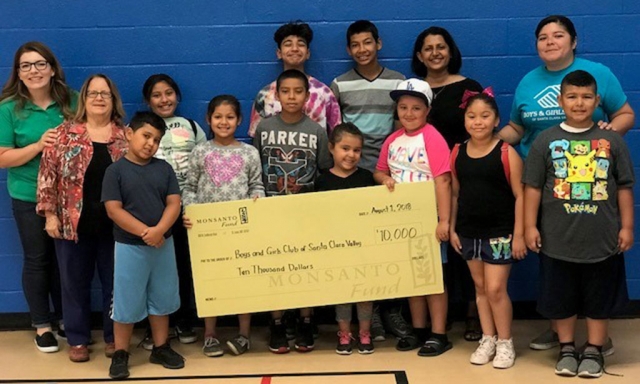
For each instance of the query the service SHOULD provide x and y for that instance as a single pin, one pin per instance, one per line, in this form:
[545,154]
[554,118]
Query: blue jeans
[77,262]
[40,276]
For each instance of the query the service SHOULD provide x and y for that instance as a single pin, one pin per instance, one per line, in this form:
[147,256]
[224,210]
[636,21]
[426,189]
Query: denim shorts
[496,250]
[145,282]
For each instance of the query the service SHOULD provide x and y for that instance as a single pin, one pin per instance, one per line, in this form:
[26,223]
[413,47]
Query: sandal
[473,331]
[409,342]
[434,347]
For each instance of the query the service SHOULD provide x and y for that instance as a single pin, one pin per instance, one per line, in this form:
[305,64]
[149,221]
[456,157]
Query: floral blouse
[62,170]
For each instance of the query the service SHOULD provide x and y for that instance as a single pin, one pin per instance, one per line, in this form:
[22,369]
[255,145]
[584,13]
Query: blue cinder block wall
[214,47]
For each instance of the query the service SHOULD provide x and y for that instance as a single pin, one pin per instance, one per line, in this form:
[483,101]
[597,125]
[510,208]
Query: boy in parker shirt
[293,148]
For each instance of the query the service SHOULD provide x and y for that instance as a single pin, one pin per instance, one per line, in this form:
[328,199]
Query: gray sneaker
[239,345]
[377,329]
[591,364]
[395,323]
[212,347]
[607,348]
[546,340]
[567,364]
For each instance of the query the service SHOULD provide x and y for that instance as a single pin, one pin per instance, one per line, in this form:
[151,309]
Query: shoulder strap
[193,127]
[504,156]
[454,156]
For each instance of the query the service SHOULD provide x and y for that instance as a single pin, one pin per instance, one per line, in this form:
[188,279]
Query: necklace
[435,95]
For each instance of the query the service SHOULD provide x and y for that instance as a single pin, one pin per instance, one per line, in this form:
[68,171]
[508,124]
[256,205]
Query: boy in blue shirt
[142,197]
[579,182]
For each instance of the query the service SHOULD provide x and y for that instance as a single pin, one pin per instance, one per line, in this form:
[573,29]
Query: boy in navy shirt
[142,197]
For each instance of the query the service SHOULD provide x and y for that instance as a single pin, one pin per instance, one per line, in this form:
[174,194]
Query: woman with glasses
[33,101]
[69,191]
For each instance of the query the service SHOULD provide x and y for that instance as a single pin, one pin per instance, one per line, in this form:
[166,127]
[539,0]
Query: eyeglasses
[40,65]
[104,94]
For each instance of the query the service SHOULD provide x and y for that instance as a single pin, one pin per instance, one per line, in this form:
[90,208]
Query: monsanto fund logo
[548,97]
[244,215]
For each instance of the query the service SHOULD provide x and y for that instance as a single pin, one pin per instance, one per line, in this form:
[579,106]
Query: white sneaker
[485,351]
[505,354]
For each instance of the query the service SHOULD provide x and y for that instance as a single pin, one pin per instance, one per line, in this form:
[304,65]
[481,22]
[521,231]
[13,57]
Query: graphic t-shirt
[177,143]
[366,103]
[579,174]
[291,154]
[222,173]
[535,103]
[421,155]
[321,107]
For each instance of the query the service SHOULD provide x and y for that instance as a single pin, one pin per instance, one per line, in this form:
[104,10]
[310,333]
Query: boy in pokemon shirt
[578,180]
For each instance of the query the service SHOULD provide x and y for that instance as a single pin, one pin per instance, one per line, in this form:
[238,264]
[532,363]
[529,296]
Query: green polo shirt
[22,128]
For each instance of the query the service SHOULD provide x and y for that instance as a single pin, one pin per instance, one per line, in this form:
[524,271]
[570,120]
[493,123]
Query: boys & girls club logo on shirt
[548,97]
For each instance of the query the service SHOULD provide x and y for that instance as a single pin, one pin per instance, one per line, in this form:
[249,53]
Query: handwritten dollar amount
[402,232]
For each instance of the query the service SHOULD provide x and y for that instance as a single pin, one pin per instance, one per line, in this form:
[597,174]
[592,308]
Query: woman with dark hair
[69,197]
[162,95]
[437,59]
[535,106]
[33,102]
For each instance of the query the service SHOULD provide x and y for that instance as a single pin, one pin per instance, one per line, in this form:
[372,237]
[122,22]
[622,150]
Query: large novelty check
[315,249]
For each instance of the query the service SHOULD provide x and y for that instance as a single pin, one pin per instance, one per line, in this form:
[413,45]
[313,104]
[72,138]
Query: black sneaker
[314,328]
[278,342]
[365,346]
[304,336]
[186,334]
[147,340]
[345,343]
[395,323]
[289,321]
[377,329]
[46,343]
[62,334]
[119,368]
[167,357]
[409,342]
